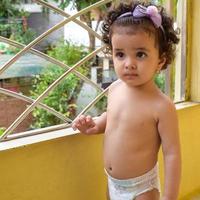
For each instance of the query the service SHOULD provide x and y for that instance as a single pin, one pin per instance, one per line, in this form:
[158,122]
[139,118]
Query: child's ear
[161,62]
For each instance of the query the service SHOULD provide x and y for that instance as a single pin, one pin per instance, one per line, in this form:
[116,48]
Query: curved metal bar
[41,105]
[45,93]
[36,132]
[92,102]
[45,34]
[64,14]
[52,60]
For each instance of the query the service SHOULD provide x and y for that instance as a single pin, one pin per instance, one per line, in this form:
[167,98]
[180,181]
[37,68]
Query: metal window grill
[29,48]
[38,101]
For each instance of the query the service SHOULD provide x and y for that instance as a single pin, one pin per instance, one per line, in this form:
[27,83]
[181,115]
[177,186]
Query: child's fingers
[74,126]
[76,123]
[90,121]
[82,120]
[88,118]
[83,123]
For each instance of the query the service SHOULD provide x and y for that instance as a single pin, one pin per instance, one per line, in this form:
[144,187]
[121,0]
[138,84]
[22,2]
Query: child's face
[136,57]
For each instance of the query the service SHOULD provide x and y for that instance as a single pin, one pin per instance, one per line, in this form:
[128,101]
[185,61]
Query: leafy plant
[160,81]
[101,105]
[24,37]
[67,52]
[8,8]
[2,129]
[63,97]
[17,34]
[13,22]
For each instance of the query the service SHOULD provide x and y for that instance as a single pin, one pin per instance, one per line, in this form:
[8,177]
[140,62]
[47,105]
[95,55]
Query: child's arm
[169,133]
[88,125]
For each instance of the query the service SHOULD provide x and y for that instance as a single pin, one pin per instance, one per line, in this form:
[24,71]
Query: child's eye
[141,54]
[119,54]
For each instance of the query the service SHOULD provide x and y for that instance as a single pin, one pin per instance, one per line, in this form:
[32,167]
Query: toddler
[139,118]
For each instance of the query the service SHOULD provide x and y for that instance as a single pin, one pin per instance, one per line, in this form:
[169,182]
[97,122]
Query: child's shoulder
[165,105]
[114,85]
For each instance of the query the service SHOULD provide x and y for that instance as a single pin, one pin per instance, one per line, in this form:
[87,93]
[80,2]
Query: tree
[13,23]
[8,8]
[96,14]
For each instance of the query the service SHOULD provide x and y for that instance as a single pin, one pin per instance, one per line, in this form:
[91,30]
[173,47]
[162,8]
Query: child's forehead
[129,34]
[129,39]
[129,30]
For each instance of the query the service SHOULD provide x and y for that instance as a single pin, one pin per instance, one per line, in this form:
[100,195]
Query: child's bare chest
[131,115]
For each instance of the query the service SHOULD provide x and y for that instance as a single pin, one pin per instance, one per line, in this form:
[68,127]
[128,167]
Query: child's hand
[85,124]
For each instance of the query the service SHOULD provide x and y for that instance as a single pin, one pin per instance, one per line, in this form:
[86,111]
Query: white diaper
[129,189]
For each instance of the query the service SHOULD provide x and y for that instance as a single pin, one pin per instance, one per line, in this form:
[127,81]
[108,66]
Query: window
[38,105]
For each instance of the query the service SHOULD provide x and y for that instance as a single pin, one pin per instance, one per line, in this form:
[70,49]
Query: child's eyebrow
[141,49]
[135,49]
[117,49]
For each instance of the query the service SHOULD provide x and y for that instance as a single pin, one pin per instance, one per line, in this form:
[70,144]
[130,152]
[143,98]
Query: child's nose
[130,65]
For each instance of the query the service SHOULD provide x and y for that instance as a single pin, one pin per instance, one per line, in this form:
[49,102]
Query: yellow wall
[70,168]
[190,140]
[189,119]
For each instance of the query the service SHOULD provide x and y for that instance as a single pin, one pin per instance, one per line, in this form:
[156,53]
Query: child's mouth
[131,75]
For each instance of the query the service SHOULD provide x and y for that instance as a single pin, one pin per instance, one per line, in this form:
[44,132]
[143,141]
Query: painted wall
[72,168]
[189,119]
[190,138]
[69,168]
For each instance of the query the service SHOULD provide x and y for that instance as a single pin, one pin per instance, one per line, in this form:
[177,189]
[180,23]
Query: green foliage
[5,30]
[83,4]
[3,47]
[101,105]
[15,32]
[2,129]
[19,35]
[8,8]
[163,1]
[160,81]
[63,97]
[67,52]
[79,4]
[174,2]
[11,23]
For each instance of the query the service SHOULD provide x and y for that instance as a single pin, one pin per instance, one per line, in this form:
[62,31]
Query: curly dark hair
[165,39]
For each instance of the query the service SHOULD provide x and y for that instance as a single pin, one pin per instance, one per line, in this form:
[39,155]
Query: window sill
[186,104]
[24,139]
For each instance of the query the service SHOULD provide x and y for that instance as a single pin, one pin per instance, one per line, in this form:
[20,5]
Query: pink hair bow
[150,12]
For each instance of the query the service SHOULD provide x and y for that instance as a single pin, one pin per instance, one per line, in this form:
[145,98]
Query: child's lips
[130,75]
